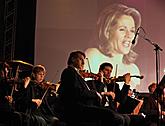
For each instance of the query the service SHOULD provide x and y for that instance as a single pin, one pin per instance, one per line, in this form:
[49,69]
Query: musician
[9,116]
[34,99]
[154,107]
[152,87]
[78,100]
[113,96]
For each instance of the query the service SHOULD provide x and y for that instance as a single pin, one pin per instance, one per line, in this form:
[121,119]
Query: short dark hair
[74,55]
[103,65]
[151,85]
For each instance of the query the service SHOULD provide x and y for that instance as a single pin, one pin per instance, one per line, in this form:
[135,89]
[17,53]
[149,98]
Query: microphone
[137,32]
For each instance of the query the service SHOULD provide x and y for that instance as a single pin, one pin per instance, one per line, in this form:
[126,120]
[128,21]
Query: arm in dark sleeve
[74,88]
[123,93]
[149,106]
[24,100]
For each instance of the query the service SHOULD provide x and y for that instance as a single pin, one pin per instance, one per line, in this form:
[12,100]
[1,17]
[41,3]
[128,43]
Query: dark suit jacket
[150,109]
[78,101]
[73,91]
[150,105]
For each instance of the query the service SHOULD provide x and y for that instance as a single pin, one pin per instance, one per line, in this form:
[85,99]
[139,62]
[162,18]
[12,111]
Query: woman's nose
[129,34]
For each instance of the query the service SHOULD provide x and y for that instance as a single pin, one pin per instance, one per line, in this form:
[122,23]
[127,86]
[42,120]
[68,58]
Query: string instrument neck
[85,74]
[45,84]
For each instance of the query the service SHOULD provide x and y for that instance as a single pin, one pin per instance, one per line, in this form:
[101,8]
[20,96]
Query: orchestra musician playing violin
[9,117]
[35,99]
[107,86]
[113,96]
[154,107]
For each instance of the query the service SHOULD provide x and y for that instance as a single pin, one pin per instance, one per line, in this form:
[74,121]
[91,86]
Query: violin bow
[15,78]
[44,95]
[115,76]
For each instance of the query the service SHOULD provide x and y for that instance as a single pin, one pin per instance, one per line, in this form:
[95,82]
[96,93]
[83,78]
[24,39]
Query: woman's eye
[133,31]
[121,29]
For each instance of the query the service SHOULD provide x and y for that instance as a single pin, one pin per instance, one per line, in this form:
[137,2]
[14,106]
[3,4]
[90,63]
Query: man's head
[152,87]
[106,68]
[76,59]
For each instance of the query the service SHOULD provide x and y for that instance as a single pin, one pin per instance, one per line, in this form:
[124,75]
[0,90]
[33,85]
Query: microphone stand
[157,49]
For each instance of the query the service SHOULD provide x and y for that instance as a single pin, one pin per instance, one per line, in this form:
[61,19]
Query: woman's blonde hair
[107,19]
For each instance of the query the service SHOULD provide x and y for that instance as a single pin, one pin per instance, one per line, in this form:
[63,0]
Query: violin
[48,84]
[45,85]
[86,74]
[121,78]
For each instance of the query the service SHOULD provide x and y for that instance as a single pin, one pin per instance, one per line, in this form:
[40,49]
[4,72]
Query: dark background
[17,30]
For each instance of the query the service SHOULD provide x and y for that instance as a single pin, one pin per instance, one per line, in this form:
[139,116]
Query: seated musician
[35,98]
[114,98]
[113,95]
[9,116]
[152,106]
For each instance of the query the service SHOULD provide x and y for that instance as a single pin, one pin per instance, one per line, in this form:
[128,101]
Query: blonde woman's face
[122,34]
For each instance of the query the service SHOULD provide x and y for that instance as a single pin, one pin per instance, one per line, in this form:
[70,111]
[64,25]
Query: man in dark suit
[153,107]
[115,98]
[78,100]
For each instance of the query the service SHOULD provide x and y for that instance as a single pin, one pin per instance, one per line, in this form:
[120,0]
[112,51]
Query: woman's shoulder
[90,51]
[133,68]
[95,58]
[94,53]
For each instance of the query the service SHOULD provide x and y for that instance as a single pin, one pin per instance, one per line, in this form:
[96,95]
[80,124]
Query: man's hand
[26,81]
[37,101]
[110,93]
[9,98]
[127,78]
